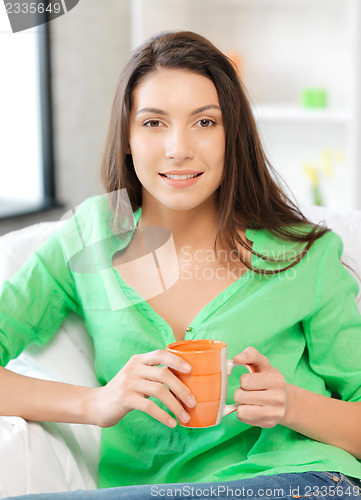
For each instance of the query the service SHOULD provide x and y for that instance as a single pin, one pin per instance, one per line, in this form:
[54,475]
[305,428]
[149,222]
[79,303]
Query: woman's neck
[196,227]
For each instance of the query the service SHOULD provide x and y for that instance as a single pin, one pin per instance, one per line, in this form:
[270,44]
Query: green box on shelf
[314,98]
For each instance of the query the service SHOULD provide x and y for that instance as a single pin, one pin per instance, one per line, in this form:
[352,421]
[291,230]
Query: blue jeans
[284,486]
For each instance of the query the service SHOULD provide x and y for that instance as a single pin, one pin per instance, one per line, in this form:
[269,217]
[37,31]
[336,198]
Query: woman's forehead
[172,86]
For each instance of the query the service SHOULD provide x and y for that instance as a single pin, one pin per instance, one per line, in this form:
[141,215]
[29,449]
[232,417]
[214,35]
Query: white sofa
[47,457]
[43,457]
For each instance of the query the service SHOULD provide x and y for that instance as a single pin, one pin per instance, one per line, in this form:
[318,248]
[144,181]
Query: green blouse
[305,320]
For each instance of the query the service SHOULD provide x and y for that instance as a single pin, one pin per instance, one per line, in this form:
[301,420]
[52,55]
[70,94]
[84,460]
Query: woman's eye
[152,123]
[206,123]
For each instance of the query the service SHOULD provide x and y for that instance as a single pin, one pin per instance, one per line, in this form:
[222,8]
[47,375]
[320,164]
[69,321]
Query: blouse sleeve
[36,301]
[333,332]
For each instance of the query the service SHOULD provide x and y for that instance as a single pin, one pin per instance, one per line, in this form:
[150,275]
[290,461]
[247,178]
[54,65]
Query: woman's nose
[179,146]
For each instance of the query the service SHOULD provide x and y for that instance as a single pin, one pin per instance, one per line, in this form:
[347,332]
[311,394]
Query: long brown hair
[249,193]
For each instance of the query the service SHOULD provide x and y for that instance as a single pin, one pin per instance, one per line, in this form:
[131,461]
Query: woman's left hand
[263,394]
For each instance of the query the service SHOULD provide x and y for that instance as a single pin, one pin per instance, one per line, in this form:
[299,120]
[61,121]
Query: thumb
[251,356]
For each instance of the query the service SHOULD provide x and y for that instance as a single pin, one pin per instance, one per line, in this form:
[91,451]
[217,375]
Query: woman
[252,271]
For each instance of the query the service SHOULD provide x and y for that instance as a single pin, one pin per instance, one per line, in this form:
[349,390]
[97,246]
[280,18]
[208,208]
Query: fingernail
[191,401]
[172,423]
[186,367]
[185,417]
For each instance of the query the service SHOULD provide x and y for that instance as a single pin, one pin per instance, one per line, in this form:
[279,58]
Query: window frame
[49,200]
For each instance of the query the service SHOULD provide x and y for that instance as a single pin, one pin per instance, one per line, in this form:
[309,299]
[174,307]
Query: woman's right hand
[140,378]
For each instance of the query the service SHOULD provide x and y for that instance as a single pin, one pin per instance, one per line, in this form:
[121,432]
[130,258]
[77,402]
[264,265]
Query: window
[26,147]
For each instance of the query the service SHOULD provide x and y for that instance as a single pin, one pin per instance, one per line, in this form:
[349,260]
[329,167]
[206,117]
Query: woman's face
[176,129]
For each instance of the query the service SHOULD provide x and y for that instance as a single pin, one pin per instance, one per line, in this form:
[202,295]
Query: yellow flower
[311,172]
[340,156]
[326,162]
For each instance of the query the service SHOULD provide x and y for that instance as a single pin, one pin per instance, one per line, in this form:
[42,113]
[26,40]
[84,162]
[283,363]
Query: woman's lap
[286,486]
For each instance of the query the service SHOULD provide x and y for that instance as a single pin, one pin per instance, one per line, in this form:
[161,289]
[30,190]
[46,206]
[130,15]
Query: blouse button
[189,329]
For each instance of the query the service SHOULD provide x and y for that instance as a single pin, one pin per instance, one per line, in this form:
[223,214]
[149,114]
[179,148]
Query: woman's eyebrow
[161,112]
[204,108]
[151,110]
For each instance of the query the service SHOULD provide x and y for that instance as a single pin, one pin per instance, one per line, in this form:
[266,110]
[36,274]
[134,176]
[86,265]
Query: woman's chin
[180,201]
[181,205]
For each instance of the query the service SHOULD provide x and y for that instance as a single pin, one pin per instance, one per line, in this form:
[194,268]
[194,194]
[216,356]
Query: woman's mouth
[181,180]
[184,176]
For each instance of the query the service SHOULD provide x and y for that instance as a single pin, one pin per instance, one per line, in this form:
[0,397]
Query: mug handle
[230,365]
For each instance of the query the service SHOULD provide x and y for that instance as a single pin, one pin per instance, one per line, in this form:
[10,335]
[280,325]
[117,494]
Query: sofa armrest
[43,457]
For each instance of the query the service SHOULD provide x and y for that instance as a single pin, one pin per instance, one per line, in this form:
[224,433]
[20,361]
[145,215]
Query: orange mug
[208,380]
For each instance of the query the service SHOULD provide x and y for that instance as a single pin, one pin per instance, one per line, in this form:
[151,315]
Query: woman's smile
[181,179]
